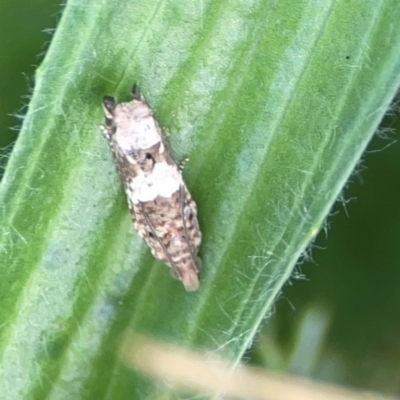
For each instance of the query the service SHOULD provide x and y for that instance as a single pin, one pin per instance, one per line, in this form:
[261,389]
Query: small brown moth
[161,206]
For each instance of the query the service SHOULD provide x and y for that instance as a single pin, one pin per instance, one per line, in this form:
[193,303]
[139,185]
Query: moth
[161,206]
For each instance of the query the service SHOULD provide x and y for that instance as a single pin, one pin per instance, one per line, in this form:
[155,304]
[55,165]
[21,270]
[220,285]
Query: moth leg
[105,132]
[182,164]
[109,104]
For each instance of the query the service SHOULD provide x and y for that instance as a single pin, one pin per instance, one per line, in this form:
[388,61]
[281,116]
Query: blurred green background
[338,319]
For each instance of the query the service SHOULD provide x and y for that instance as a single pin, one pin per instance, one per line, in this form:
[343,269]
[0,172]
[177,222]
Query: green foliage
[274,103]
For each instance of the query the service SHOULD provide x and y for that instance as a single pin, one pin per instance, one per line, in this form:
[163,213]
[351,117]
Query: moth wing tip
[191,282]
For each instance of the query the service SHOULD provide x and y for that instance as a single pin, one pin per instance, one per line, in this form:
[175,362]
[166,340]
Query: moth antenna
[136,92]
[109,104]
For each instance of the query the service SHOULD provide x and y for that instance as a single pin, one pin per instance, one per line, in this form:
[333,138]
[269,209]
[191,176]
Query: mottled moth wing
[162,208]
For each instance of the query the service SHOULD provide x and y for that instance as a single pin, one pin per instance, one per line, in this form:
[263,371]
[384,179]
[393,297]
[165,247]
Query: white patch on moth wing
[177,243]
[164,181]
[136,128]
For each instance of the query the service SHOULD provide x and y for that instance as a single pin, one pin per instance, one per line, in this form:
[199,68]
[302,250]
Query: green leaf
[274,103]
